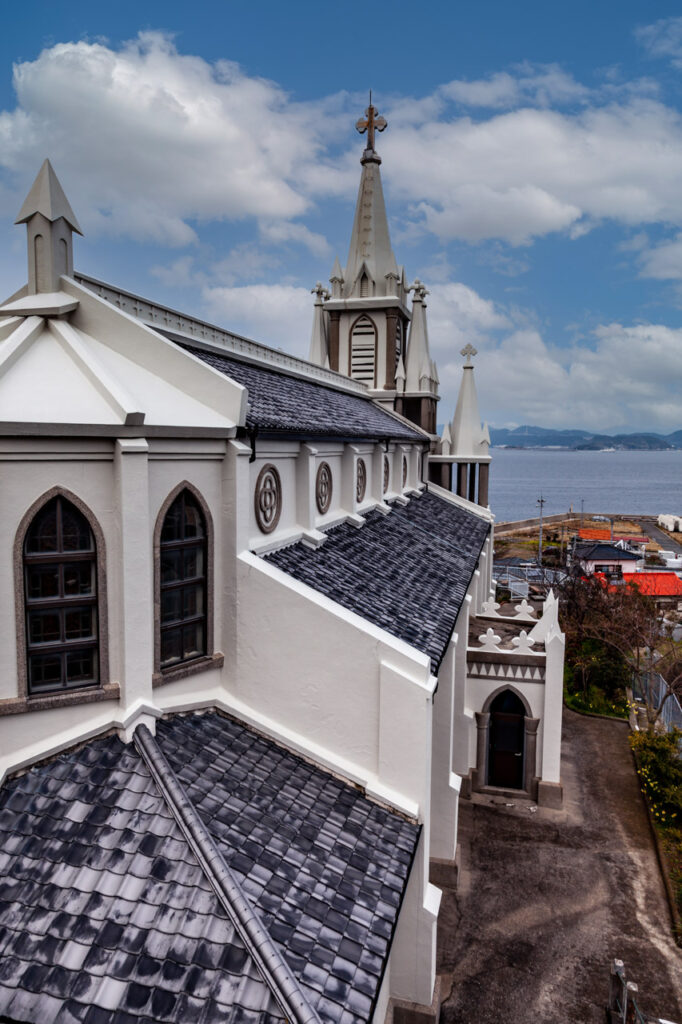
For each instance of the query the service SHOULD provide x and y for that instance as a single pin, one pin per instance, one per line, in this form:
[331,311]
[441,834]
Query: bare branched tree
[628,622]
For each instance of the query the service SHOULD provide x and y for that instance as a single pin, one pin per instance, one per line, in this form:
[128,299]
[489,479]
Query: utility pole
[541,503]
[582,506]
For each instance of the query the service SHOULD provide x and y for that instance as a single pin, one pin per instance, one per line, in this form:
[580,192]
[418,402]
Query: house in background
[614,562]
[664,587]
[254,660]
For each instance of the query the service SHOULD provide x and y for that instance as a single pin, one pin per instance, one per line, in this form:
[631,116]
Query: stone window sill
[47,701]
[189,668]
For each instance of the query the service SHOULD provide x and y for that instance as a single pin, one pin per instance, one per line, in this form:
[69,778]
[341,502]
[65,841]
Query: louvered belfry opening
[363,348]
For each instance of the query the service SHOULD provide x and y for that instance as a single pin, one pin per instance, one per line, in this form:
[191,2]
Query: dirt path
[548,898]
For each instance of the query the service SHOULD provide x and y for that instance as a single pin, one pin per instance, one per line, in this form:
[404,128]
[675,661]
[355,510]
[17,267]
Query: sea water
[621,481]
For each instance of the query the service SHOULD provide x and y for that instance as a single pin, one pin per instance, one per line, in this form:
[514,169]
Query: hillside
[581,440]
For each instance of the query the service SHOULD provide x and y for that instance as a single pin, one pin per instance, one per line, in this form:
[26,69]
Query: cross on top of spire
[468,351]
[371,122]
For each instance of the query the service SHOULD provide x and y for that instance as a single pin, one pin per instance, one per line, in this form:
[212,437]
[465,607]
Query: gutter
[276,972]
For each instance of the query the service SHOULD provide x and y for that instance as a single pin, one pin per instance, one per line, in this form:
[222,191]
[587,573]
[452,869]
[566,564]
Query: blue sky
[532,169]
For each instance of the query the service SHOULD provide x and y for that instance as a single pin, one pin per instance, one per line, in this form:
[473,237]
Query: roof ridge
[215,338]
[245,918]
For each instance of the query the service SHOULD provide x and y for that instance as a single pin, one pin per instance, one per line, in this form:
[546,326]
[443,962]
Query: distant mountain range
[581,440]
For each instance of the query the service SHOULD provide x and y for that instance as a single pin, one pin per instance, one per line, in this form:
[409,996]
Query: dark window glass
[60,589]
[183,582]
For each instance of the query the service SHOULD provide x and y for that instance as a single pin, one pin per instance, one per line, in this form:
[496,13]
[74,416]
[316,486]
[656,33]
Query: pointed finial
[469,351]
[420,290]
[47,197]
[50,223]
[371,122]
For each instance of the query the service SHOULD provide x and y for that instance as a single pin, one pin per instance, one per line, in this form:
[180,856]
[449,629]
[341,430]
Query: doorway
[506,741]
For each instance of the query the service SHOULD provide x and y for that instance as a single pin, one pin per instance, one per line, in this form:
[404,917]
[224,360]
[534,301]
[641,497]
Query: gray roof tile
[105,915]
[281,403]
[97,931]
[275,818]
[407,572]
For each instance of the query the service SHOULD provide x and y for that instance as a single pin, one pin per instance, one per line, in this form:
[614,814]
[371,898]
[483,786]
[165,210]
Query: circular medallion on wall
[404,470]
[387,473]
[360,480]
[267,498]
[323,488]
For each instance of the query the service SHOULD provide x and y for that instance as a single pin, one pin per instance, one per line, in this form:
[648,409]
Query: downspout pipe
[276,972]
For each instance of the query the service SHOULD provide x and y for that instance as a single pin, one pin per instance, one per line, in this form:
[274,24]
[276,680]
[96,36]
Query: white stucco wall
[327,674]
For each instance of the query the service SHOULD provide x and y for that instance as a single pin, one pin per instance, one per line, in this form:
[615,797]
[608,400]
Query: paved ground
[548,898]
[652,531]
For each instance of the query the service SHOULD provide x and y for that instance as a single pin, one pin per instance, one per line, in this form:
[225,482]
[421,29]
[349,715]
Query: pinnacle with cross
[468,351]
[370,123]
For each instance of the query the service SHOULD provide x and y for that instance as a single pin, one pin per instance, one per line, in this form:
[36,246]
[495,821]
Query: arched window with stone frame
[183,571]
[60,582]
[363,351]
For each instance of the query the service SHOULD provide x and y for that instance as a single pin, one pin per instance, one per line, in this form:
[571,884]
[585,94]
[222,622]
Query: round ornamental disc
[404,470]
[323,488]
[360,480]
[268,499]
[387,473]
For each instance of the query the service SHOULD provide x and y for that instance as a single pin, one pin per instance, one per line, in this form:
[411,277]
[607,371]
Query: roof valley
[245,918]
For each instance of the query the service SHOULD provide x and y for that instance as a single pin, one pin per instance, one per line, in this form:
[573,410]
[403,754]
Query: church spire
[50,223]
[470,439]
[371,269]
[319,350]
[419,368]
[467,432]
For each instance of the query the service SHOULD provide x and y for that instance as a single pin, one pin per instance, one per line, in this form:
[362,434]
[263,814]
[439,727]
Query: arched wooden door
[506,741]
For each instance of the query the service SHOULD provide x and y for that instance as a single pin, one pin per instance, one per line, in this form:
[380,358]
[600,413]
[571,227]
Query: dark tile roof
[407,572]
[592,551]
[105,915]
[324,865]
[281,403]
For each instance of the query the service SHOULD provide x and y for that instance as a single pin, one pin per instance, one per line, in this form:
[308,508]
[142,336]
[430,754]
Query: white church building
[253,659]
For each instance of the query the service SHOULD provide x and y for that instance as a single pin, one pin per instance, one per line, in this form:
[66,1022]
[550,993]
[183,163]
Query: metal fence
[623,1006]
[652,688]
[518,578]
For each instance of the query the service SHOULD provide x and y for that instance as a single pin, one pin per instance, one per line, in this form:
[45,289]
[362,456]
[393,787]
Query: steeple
[419,368]
[470,439]
[469,436]
[50,223]
[319,351]
[371,268]
[363,325]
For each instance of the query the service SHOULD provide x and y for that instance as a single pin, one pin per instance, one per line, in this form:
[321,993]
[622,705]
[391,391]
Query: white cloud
[628,379]
[540,85]
[620,376]
[152,144]
[456,315]
[663,38]
[529,172]
[149,140]
[663,261]
[284,231]
[278,315]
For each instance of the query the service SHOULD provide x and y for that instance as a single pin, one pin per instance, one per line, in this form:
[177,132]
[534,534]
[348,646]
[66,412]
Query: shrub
[660,771]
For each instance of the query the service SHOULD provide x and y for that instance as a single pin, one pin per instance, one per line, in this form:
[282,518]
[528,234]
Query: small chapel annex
[253,659]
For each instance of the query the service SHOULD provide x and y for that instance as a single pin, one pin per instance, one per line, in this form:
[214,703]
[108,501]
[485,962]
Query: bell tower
[364,327]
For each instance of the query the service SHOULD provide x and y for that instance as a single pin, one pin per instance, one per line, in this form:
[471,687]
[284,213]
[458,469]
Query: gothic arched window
[183,565]
[363,344]
[60,593]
